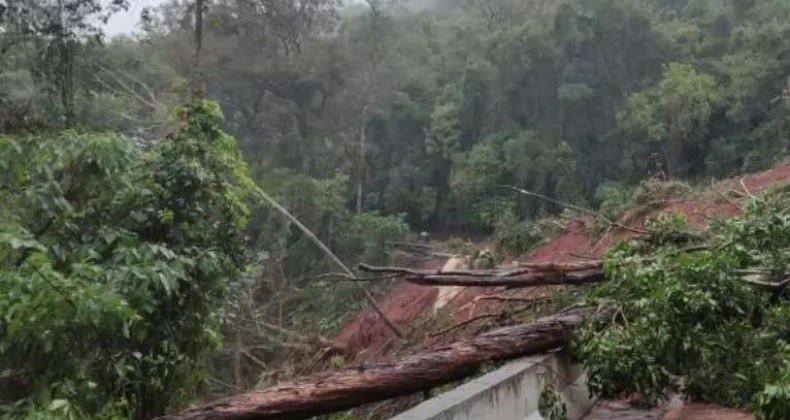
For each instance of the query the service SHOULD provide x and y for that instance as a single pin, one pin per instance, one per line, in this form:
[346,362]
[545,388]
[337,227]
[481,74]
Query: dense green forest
[135,171]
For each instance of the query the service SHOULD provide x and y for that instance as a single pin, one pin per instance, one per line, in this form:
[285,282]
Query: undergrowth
[614,200]
[513,238]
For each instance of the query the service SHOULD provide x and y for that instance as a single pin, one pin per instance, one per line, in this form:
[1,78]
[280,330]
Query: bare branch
[272,202]
[130,90]
[574,207]
[746,190]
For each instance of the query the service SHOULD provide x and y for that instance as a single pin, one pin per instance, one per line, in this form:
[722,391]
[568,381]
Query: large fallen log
[523,268]
[527,280]
[532,276]
[353,387]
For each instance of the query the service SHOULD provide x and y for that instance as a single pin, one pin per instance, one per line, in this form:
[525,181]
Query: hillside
[182,207]
[406,302]
[414,307]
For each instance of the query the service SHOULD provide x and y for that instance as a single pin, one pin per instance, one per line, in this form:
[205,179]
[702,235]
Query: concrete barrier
[510,393]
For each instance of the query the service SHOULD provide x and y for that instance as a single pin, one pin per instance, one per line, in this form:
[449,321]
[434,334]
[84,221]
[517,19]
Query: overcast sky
[126,22]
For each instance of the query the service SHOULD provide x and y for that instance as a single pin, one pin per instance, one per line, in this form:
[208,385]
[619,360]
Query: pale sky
[126,22]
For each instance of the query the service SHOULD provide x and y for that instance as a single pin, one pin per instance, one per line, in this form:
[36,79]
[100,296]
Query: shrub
[116,263]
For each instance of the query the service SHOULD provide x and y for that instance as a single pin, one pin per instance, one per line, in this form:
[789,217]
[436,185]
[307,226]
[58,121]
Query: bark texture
[366,384]
[528,276]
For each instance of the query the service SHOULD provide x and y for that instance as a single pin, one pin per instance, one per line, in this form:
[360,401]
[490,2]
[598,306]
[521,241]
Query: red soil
[367,335]
[566,247]
[701,411]
[759,181]
[697,213]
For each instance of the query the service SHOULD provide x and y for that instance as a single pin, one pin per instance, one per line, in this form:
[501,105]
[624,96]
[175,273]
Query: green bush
[115,266]
[369,232]
[688,322]
[654,190]
[614,199]
[515,238]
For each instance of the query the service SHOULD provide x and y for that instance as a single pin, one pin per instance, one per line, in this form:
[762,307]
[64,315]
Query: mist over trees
[132,233]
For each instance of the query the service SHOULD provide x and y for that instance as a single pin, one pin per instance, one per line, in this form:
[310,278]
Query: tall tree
[57,28]
[674,116]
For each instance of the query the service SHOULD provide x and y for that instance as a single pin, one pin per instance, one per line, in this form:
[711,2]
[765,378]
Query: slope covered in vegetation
[673,302]
[140,240]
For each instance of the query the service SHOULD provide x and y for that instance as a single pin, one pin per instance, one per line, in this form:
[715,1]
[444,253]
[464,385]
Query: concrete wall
[509,393]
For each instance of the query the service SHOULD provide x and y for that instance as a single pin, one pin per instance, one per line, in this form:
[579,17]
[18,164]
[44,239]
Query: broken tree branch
[466,322]
[352,387]
[574,207]
[746,190]
[315,339]
[532,300]
[254,359]
[503,314]
[371,300]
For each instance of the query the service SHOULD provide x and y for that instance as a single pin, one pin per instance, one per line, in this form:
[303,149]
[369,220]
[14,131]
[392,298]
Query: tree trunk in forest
[238,348]
[65,69]
[674,145]
[198,47]
[361,163]
[271,201]
[366,384]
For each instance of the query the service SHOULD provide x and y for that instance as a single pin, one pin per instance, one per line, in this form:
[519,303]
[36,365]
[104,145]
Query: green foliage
[667,229]
[673,116]
[652,191]
[514,238]
[475,173]
[550,404]
[369,232]
[613,199]
[426,113]
[116,262]
[546,98]
[773,400]
[687,321]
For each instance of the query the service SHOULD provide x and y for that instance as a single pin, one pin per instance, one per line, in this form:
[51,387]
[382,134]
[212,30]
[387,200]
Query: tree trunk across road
[367,384]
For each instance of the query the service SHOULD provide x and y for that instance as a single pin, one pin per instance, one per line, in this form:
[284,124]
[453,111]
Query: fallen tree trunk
[353,387]
[521,277]
[527,280]
[523,268]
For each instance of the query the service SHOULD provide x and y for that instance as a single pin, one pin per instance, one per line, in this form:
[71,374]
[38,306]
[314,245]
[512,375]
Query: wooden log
[522,268]
[554,274]
[367,384]
[526,280]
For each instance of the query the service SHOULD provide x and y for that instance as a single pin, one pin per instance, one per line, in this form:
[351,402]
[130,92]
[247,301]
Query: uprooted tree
[677,319]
